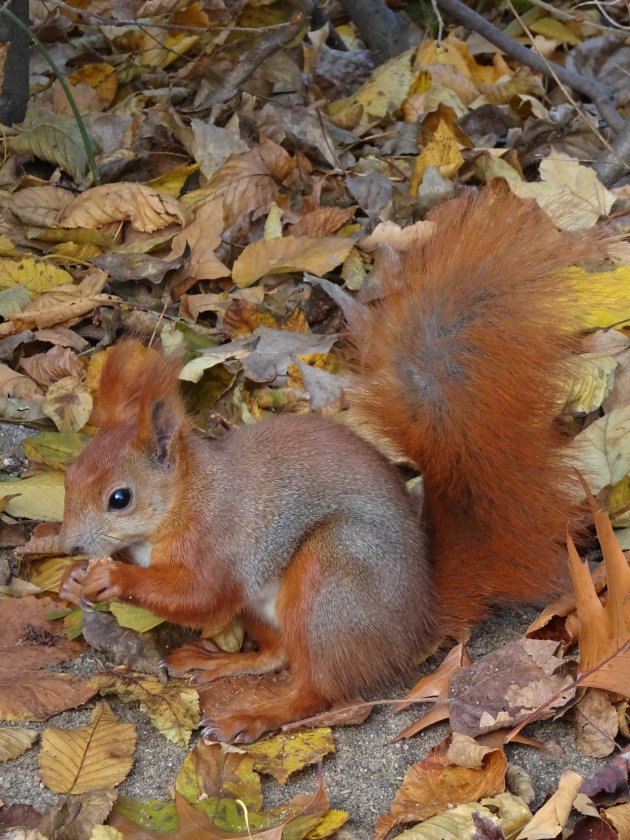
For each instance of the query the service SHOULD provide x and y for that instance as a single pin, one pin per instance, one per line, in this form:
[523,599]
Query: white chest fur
[141,553]
[264,604]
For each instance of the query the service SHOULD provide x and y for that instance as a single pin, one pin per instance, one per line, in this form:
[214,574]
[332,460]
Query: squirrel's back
[461,365]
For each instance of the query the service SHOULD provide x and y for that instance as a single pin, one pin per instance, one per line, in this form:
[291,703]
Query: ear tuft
[165,424]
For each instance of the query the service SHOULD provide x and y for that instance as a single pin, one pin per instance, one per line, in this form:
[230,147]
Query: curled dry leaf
[40,206]
[248,182]
[435,784]
[146,209]
[596,723]
[293,253]
[14,384]
[550,820]
[15,740]
[56,363]
[88,758]
[605,628]
[68,403]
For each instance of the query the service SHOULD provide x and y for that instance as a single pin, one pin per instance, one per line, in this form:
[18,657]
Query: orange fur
[305,530]
[461,365]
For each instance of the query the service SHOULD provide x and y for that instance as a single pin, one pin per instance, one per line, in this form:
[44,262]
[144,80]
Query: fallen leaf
[283,755]
[38,497]
[550,820]
[172,707]
[144,208]
[436,783]
[90,757]
[605,628]
[293,253]
[14,741]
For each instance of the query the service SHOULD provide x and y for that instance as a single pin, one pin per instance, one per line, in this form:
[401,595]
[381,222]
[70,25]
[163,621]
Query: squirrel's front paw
[101,582]
[72,581]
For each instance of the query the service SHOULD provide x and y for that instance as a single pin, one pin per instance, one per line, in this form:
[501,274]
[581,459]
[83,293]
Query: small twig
[265,48]
[571,17]
[601,95]
[85,137]
[578,109]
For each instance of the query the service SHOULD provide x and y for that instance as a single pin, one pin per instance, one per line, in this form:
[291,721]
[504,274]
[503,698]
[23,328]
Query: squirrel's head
[125,482]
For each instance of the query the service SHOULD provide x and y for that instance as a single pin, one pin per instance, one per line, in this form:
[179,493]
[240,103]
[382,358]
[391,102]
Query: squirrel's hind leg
[211,663]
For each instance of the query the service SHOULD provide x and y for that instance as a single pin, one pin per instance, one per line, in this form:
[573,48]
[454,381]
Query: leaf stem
[87,143]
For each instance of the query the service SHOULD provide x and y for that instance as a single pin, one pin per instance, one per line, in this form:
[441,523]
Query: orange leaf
[605,628]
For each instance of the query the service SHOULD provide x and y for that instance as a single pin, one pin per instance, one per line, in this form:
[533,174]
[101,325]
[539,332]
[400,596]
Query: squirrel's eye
[120,499]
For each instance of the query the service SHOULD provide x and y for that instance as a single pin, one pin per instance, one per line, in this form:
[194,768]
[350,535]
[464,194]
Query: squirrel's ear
[165,424]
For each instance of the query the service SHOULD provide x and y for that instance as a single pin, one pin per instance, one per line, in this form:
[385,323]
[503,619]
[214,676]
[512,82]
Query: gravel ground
[363,774]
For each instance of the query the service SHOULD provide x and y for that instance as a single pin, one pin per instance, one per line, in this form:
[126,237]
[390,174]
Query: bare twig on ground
[601,95]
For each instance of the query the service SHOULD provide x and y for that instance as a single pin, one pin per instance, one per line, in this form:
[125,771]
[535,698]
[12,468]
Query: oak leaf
[605,628]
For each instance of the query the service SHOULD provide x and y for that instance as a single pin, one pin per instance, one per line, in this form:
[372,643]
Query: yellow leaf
[100,77]
[173,707]
[442,152]
[293,253]
[602,297]
[284,754]
[15,740]
[37,497]
[379,96]
[55,449]
[35,275]
[133,617]
[47,574]
[173,182]
[553,28]
[88,758]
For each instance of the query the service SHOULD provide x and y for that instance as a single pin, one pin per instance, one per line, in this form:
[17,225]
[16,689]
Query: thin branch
[601,95]
[265,48]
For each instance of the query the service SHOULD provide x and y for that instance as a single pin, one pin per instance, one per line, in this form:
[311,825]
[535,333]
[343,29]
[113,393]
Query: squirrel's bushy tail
[461,365]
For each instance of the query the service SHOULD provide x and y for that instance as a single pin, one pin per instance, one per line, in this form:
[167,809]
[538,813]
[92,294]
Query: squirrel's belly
[263,604]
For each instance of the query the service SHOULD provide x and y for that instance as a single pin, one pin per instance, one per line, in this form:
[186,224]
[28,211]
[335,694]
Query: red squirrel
[304,530]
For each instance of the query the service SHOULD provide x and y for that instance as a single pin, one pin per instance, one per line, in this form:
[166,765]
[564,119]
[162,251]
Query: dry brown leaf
[15,740]
[519,681]
[146,209]
[549,820]
[91,757]
[293,253]
[202,237]
[55,364]
[68,403]
[17,385]
[619,816]
[433,785]
[596,723]
[247,183]
[37,695]
[29,639]
[605,628]
[435,686]
[324,221]
[40,206]
[73,309]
